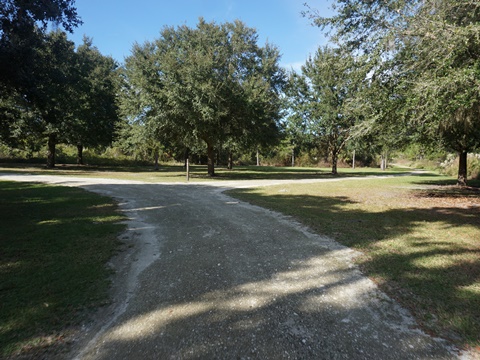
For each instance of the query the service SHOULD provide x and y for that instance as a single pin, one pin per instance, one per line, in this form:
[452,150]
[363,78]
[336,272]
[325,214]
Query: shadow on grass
[472,184]
[437,279]
[54,245]
[200,172]
[291,173]
[86,169]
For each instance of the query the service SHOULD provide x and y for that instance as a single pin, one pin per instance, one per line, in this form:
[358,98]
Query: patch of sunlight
[102,219]
[470,290]
[49,222]
[311,278]
[9,266]
[436,262]
[151,208]
[100,206]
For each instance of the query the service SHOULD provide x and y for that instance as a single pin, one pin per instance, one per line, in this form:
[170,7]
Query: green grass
[420,240]
[176,173]
[55,242]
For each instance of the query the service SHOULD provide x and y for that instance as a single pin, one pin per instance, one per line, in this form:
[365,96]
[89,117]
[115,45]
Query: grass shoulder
[55,243]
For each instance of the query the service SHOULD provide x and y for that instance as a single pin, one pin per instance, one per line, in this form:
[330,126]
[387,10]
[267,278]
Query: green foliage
[70,98]
[430,52]
[17,14]
[212,84]
[319,100]
[20,35]
[96,109]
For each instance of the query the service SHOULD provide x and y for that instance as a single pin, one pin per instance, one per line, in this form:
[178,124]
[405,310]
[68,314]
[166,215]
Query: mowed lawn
[55,242]
[419,238]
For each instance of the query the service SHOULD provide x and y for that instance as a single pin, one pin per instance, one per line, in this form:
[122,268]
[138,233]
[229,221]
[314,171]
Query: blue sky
[115,25]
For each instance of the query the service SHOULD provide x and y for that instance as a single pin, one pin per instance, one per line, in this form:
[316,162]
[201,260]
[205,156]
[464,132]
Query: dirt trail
[208,277]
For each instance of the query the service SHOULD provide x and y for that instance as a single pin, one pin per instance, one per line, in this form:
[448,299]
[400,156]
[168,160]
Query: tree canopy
[15,14]
[71,97]
[433,47]
[22,24]
[319,99]
[96,111]
[212,83]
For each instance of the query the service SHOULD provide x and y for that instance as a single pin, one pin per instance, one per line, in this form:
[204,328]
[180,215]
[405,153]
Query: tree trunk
[211,160]
[293,157]
[258,158]
[79,154]
[462,169]
[52,141]
[353,160]
[230,160]
[334,163]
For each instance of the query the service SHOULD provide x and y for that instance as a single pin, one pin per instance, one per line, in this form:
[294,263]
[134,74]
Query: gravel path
[205,276]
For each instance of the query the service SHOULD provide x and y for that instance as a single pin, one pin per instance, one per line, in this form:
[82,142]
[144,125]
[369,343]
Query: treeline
[51,91]
[396,74]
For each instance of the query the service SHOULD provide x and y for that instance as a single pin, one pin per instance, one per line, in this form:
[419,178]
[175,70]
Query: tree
[45,109]
[320,96]
[26,76]
[20,34]
[443,54]
[212,83]
[17,13]
[52,102]
[71,98]
[437,45]
[96,101]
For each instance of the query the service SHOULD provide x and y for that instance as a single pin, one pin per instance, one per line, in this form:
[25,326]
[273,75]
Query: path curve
[205,276]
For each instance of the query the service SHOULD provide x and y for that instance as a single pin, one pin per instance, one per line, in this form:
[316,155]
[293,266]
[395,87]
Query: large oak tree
[212,83]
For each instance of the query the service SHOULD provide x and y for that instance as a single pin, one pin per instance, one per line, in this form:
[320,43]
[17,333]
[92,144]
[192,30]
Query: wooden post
[188,170]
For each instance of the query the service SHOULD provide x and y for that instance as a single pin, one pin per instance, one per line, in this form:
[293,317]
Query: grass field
[177,173]
[55,242]
[419,236]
